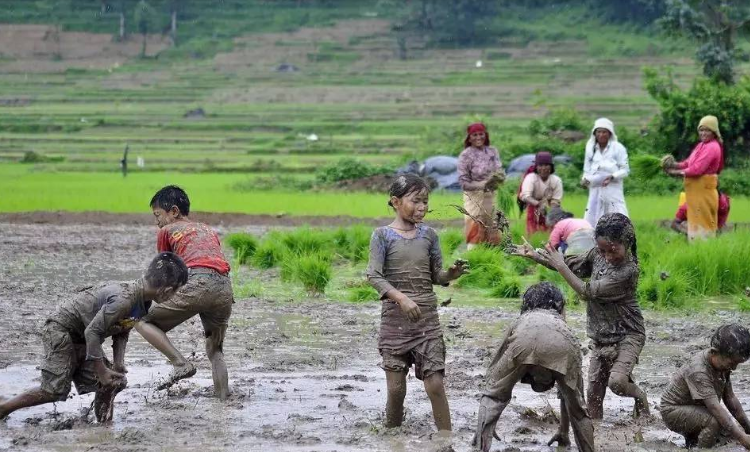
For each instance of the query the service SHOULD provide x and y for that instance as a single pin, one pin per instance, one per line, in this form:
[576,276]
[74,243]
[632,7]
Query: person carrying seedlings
[569,235]
[614,320]
[691,404]
[74,334]
[539,191]
[480,172]
[605,166]
[701,179]
[405,262]
[680,223]
[538,349]
[208,292]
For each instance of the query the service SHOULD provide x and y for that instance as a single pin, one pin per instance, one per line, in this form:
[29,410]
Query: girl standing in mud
[614,320]
[405,262]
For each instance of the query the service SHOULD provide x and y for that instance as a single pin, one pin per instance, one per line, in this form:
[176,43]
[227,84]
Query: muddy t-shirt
[696,382]
[538,338]
[98,312]
[611,306]
[410,266]
[196,243]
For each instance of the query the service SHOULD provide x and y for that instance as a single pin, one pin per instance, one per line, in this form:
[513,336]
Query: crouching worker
[74,334]
[691,404]
[539,349]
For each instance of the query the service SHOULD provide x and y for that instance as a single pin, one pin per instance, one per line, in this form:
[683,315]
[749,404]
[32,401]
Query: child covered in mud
[208,292]
[74,334]
[539,349]
[691,404]
[614,319]
[405,262]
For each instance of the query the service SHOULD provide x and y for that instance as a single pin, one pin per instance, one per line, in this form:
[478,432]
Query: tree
[174,7]
[716,24]
[146,20]
[457,22]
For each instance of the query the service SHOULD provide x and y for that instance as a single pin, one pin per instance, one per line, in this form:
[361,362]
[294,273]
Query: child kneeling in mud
[614,321]
[691,404]
[539,349]
[405,262]
[74,334]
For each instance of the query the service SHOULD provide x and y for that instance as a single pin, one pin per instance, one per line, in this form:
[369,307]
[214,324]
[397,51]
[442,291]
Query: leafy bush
[244,246]
[556,120]
[349,168]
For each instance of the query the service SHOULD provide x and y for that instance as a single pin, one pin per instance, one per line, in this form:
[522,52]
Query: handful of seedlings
[500,223]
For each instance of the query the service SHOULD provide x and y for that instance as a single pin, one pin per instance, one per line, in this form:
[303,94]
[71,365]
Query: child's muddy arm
[557,261]
[562,437]
[119,343]
[735,407]
[727,422]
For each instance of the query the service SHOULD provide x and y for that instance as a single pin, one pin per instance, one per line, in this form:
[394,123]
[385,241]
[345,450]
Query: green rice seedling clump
[362,293]
[645,167]
[450,240]
[313,271]
[244,246]
[353,243]
[486,268]
[508,287]
[268,254]
[306,240]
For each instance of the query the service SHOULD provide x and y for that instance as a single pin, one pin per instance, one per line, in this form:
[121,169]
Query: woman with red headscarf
[480,171]
[540,189]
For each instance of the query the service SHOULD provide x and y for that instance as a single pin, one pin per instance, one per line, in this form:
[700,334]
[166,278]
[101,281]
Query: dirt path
[304,374]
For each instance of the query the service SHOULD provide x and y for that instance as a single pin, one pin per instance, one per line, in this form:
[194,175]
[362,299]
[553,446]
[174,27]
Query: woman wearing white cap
[605,166]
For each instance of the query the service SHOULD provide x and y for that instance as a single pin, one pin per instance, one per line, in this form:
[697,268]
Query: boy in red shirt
[208,292]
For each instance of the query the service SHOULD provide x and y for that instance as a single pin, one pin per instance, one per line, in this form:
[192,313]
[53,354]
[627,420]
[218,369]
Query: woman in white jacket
[605,166]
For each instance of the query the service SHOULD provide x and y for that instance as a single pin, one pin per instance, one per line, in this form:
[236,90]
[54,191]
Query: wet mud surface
[304,374]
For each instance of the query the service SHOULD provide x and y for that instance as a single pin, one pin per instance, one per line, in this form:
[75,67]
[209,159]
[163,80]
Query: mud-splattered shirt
[98,312]
[476,164]
[696,382]
[410,266]
[196,243]
[538,338]
[612,308]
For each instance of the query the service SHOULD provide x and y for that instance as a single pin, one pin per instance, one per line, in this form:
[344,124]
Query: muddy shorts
[620,357]
[207,294]
[428,358]
[695,423]
[65,363]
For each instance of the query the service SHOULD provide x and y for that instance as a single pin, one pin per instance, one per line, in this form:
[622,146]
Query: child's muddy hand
[459,267]
[120,367]
[411,309]
[109,378]
[561,439]
[554,257]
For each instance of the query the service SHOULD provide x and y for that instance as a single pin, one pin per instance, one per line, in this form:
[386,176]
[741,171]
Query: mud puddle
[304,375]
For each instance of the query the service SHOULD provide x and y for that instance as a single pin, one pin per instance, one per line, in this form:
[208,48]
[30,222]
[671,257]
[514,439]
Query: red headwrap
[474,128]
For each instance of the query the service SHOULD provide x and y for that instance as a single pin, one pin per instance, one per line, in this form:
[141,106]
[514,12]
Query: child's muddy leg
[580,421]
[215,353]
[598,378]
[621,385]
[495,398]
[26,399]
[394,407]
[435,389]
[710,433]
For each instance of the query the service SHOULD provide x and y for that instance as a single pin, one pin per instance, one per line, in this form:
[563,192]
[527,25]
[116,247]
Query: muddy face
[478,139]
[614,253]
[412,207]
[724,363]
[164,217]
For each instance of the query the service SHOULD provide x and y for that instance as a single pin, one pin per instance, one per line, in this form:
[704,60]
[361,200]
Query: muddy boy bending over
[691,404]
[539,349]
[73,337]
[208,292]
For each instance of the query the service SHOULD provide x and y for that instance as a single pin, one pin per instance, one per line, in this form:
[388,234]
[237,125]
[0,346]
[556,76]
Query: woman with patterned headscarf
[480,171]
[605,165]
[701,178]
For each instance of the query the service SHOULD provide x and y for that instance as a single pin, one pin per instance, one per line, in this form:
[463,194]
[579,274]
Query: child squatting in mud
[614,320]
[405,262]
[538,349]
[73,337]
[691,404]
[208,292]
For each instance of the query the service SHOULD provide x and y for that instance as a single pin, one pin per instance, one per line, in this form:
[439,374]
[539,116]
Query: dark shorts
[65,363]
[428,358]
[207,294]
[620,357]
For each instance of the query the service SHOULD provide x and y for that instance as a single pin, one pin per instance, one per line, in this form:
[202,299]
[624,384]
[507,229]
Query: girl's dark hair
[167,270]
[544,295]
[405,184]
[616,227]
[732,340]
[169,196]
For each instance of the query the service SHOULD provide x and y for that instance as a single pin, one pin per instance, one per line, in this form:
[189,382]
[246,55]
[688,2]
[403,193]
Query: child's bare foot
[178,373]
[641,409]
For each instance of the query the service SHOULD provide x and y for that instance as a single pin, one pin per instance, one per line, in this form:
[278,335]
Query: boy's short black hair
[169,196]
[732,340]
[167,270]
[544,295]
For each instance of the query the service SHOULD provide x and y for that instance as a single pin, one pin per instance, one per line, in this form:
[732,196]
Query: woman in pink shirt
[701,175]
[569,235]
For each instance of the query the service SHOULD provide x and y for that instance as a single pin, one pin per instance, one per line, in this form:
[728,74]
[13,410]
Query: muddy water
[304,375]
